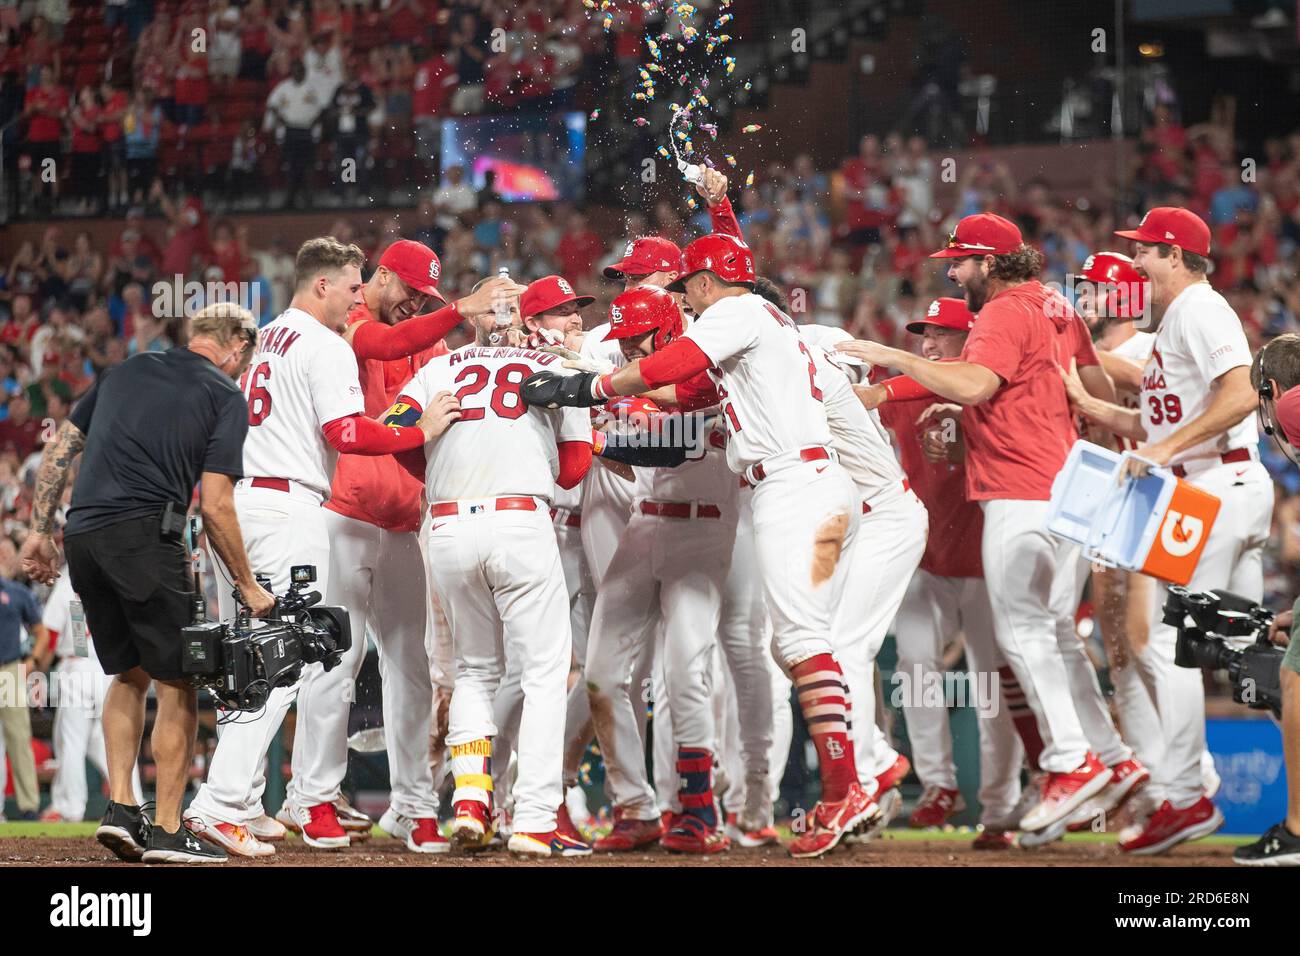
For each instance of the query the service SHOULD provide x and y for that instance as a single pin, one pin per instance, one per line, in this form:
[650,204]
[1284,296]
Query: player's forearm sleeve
[697,392]
[677,362]
[900,388]
[614,447]
[359,435]
[413,461]
[375,340]
[723,219]
[575,459]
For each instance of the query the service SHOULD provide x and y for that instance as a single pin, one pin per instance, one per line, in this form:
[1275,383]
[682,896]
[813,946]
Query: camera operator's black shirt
[153,425]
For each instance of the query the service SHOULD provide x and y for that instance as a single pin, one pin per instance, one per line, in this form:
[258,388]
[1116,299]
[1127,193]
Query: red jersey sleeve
[995,342]
[697,392]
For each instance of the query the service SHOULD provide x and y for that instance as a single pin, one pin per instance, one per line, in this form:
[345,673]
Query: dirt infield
[901,849]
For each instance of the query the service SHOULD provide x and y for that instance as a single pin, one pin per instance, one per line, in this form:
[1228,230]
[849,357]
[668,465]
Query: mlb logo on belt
[475,509]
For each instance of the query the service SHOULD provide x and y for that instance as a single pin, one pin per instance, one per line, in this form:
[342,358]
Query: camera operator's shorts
[137,593]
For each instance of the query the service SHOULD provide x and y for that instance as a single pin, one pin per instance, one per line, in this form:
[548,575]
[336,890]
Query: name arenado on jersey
[481,351]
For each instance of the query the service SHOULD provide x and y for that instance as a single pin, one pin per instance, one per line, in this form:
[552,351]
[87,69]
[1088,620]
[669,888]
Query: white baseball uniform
[772,404]
[79,688]
[881,560]
[1200,339]
[671,565]
[302,376]
[495,564]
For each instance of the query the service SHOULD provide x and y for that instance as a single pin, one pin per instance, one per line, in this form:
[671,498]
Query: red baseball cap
[983,234]
[946,314]
[549,292]
[646,255]
[1173,225]
[415,264]
[1287,414]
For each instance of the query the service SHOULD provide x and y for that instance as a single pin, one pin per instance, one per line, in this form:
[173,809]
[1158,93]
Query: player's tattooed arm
[40,555]
[53,475]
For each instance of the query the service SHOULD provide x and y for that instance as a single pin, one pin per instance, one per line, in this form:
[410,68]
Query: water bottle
[501,309]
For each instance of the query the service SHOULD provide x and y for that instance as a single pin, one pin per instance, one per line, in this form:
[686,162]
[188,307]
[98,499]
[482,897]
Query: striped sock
[695,791]
[471,768]
[1026,724]
[824,702]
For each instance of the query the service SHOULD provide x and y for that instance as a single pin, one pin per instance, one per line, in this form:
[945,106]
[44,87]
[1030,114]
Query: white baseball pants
[1022,565]
[933,612]
[499,577]
[805,517]
[280,529]
[378,575]
[881,560]
[673,570]
[1232,559]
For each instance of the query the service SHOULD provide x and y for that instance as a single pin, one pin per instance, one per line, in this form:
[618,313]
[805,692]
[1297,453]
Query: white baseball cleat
[231,837]
[889,803]
[420,836]
[268,829]
[357,824]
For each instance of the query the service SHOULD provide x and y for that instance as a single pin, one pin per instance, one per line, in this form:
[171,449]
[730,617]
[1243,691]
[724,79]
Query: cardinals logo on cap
[565,287]
[615,314]
[435,270]
[933,310]
[627,253]
[1087,263]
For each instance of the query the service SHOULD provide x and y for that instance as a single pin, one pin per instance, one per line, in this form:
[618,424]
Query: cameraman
[1275,375]
[150,429]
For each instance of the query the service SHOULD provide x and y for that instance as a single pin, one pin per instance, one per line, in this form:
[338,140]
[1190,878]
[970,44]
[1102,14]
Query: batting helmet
[725,256]
[643,310]
[1127,299]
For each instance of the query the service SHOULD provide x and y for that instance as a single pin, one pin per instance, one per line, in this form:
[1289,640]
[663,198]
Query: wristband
[598,442]
[603,387]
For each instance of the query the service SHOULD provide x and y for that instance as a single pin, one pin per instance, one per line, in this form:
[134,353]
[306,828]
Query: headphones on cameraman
[1267,394]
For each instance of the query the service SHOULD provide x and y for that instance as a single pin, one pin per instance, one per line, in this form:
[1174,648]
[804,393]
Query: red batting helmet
[1128,298]
[643,310]
[725,256]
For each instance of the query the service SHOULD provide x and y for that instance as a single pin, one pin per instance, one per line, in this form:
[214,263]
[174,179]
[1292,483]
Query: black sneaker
[1278,847]
[183,846]
[125,831]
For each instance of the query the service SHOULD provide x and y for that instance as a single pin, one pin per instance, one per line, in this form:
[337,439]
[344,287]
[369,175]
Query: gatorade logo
[1181,534]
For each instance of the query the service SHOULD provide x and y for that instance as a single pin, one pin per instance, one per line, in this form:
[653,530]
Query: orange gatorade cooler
[1157,524]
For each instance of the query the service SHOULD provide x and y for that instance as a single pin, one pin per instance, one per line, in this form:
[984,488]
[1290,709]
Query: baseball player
[806,509]
[678,512]
[376,569]
[1018,431]
[1194,416]
[494,561]
[890,542]
[552,315]
[305,406]
[947,594]
[82,684]
[1123,599]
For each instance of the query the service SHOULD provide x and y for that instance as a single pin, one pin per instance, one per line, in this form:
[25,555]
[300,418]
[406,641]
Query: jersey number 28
[504,401]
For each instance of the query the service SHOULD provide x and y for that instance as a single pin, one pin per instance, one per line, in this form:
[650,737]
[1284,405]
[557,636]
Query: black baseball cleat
[183,846]
[125,831]
[1278,847]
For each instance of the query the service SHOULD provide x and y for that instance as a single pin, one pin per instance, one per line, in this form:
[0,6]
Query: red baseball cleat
[565,826]
[1127,778]
[690,834]
[894,775]
[554,843]
[831,821]
[1169,827]
[937,804]
[994,840]
[318,825]
[1063,792]
[630,835]
[471,826]
[764,836]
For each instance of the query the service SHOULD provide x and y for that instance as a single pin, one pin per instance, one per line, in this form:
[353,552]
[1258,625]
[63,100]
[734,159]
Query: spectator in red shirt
[23,322]
[44,106]
[190,90]
[114,146]
[20,431]
[228,252]
[579,250]
[87,173]
[431,86]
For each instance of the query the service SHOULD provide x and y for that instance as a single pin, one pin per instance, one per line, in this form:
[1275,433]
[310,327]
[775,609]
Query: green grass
[81,830]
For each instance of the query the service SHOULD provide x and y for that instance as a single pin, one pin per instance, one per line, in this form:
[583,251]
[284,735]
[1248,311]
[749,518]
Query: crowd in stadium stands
[849,244]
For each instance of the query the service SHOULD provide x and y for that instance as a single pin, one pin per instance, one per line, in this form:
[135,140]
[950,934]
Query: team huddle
[534,572]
